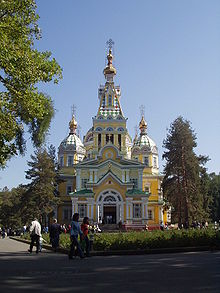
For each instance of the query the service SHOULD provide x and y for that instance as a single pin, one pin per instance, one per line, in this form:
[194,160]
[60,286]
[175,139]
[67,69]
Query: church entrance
[109,213]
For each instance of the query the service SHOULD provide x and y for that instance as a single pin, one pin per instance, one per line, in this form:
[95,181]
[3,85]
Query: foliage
[214,193]
[37,199]
[148,240]
[40,198]
[10,207]
[22,68]
[182,182]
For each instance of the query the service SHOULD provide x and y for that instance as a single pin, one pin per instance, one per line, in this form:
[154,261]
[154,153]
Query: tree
[181,183]
[22,68]
[214,193]
[40,198]
[10,207]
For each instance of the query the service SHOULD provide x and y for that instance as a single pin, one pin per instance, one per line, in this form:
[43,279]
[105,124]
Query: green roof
[136,191]
[82,191]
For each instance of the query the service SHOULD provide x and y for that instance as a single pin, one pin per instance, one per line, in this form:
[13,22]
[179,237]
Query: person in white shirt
[35,233]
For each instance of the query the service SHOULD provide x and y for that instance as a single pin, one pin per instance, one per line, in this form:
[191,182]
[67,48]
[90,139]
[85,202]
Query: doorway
[109,213]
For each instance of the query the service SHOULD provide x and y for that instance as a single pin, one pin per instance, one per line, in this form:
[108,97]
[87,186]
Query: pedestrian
[75,231]
[85,230]
[55,230]
[35,233]
[91,236]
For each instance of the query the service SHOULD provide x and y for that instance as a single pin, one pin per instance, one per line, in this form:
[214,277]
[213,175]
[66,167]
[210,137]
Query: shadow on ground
[50,272]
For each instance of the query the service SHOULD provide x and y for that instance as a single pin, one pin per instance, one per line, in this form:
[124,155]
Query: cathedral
[109,177]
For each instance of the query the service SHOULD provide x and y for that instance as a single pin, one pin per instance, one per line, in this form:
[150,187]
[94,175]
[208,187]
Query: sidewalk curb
[130,252]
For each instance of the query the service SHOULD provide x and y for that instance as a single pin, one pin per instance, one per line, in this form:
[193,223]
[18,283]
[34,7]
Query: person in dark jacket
[55,230]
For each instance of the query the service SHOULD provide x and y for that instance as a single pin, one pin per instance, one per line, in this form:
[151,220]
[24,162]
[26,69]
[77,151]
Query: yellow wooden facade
[108,177]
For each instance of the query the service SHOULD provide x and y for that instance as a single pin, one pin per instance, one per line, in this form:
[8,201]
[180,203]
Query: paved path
[161,273]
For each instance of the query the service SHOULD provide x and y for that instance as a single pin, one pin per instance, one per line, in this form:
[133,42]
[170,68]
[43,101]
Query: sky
[167,56]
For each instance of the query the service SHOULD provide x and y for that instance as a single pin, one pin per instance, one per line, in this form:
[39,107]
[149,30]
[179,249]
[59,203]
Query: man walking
[35,233]
[55,230]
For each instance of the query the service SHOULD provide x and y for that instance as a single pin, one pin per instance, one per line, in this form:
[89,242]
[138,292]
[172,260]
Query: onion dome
[143,126]
[109,70]
[144,141]
[73,125]
[72,142]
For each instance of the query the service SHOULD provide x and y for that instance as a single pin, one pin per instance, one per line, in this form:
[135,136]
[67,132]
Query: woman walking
[75,231]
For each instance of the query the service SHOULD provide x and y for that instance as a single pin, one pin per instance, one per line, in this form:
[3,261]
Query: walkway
[50,272]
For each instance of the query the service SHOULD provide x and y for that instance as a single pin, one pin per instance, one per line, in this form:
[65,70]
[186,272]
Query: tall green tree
[214,193]
[22,68]
[181,183]
[40,199]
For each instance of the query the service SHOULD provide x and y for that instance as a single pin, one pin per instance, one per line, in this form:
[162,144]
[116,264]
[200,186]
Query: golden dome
[143,125]
[109,69]
[73,125]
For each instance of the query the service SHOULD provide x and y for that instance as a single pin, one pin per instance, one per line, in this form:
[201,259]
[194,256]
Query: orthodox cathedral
[108,177]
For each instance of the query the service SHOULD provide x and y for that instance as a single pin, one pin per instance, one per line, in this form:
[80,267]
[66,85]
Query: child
[41,241]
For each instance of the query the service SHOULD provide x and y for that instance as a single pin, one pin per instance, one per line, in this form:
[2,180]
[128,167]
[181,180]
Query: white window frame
[68,161]
[82,210]
[137,210]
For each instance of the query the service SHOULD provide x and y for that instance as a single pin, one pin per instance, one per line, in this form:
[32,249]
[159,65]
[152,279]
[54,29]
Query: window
[82,210]
[99,140]
[119,141]
[70,160]
[146,161]
[150,215]
[135,182]
[109,137]
[137,210]
[110,100]
[155,162]
[61,162]
[84,183]
[67,213]
[68,189]
[147,188]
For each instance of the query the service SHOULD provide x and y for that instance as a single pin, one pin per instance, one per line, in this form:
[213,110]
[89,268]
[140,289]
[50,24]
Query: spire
[109,70]
[73,125]
[143,126]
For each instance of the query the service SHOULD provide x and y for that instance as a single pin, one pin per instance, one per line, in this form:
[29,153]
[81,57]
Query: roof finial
[143,123]
[109,70]
[73,122]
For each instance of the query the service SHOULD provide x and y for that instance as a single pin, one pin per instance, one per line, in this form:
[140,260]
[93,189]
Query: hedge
[148,240]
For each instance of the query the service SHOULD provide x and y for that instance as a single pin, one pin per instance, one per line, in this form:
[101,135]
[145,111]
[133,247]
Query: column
[90,206]
[78,180]
[74,205]
[90,176]
[144,210]
[140,173]
[96,178]
[127,175]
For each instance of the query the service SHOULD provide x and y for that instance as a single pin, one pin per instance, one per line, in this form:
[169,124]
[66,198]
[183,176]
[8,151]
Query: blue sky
[167,56]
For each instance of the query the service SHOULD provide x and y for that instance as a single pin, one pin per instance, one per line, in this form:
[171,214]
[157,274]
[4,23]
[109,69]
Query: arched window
[120,129]
[110,100]
[110,198]
[109,129]
[98,129]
